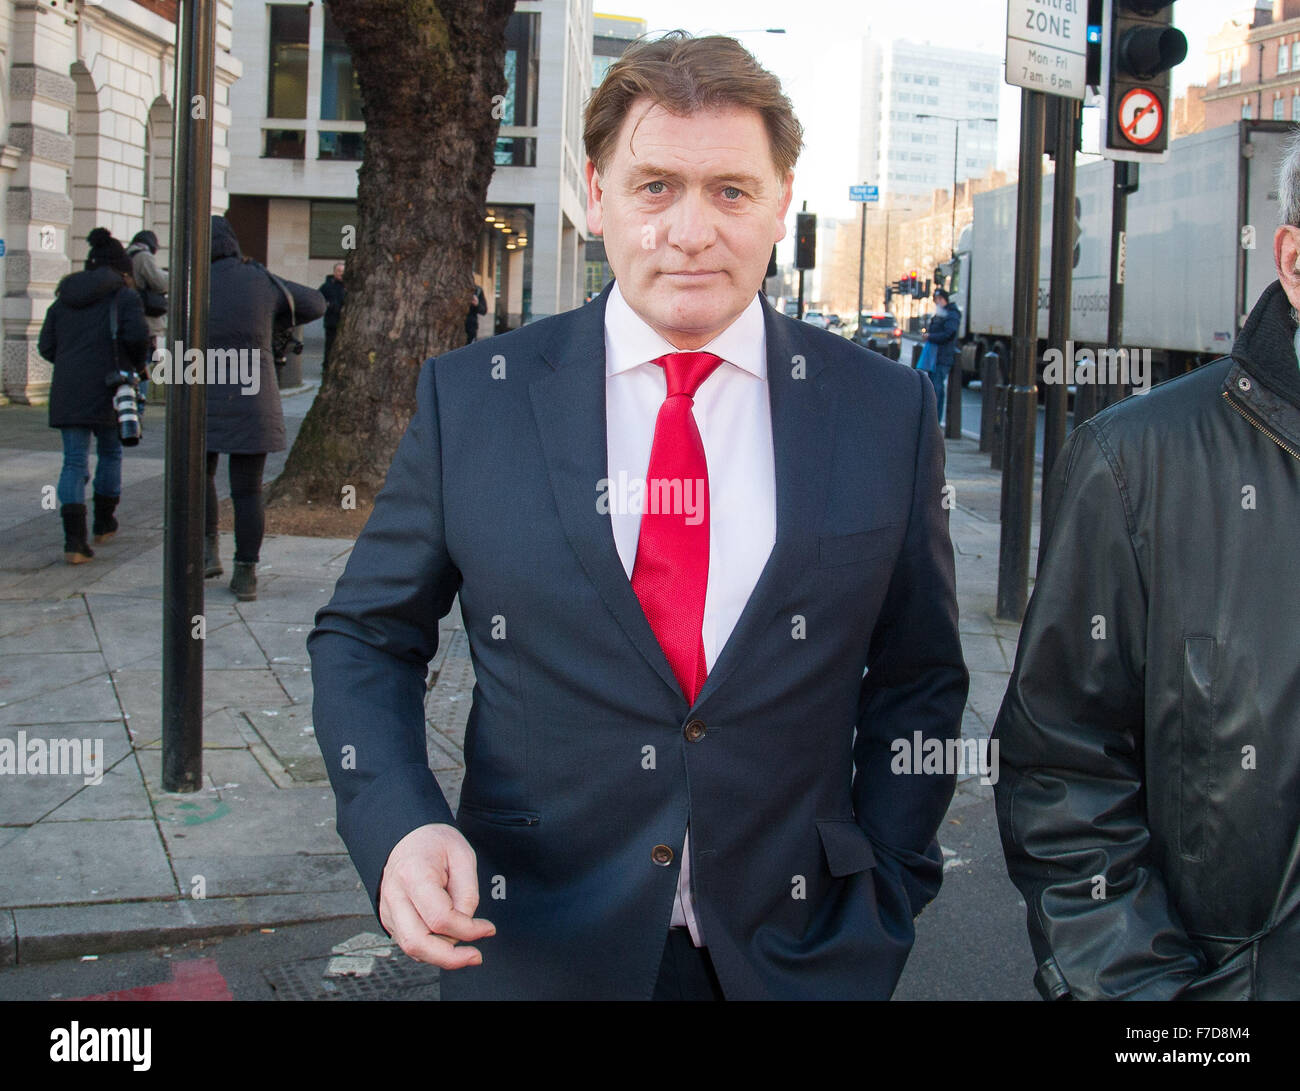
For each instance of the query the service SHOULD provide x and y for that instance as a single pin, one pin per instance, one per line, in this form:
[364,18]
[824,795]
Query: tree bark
[428,72]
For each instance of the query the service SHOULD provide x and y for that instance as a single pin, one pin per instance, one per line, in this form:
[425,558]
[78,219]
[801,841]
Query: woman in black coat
[76,339]
[244,418]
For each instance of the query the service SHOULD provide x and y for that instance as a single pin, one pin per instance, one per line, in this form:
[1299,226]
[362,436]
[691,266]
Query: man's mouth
[695,273]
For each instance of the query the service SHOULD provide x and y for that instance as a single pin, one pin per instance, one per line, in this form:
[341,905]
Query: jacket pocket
[498,816]
[838,549]
[1195,745]
[847,847]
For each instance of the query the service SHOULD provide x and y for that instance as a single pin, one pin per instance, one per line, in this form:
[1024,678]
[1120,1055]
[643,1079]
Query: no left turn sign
[1141,117]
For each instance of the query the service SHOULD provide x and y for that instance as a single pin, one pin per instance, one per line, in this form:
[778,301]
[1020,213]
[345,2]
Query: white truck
[1199,251]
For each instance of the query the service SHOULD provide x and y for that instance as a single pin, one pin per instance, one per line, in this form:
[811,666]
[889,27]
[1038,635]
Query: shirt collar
[630,341]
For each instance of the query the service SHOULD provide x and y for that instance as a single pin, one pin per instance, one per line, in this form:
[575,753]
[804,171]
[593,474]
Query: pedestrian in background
[943,335]
[76,338]
[151,283]
[335,295]
[244,419]
[477,306]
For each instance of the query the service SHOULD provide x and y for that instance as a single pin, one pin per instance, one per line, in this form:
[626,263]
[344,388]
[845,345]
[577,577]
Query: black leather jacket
[1149,791]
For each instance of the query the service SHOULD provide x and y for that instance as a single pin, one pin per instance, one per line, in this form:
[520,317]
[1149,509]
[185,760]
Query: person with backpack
[245,420]
[151,283]
[77,336]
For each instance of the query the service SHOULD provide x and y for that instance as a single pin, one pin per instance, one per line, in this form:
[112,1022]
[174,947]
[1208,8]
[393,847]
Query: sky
[818,60]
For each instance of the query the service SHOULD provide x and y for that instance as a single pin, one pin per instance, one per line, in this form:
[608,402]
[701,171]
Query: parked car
[880,327]
[816,318]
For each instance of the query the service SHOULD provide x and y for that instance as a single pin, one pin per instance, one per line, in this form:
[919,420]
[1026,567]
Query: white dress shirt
[733,413]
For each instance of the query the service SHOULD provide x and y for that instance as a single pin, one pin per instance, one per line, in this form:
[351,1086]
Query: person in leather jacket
[1149,789]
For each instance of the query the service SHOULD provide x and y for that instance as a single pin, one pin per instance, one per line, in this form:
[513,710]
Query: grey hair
[1288,181]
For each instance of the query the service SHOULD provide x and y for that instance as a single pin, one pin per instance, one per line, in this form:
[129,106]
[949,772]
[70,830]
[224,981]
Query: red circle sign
[1141,117]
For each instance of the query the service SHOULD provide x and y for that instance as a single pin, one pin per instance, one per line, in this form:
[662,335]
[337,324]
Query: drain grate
[397,978]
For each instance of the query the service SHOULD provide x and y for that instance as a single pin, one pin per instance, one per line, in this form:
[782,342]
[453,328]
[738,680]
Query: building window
[340,94]
[285,144]
[340,146]
[520,106]
[287,81]
[1295,55]
[1246,112]
[1283,58]
[1236,67]
[1295,106]
[329,219]
[1277,109]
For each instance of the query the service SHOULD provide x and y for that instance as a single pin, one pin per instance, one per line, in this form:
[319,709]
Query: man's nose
[692,226]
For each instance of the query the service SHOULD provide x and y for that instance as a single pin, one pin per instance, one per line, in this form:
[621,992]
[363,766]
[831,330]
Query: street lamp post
[956,133]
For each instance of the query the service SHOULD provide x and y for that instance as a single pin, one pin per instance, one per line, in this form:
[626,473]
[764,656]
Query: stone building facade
[86,108]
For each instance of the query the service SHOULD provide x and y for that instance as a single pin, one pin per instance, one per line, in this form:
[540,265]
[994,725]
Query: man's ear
[1286,255]
[787,194]
[595,197]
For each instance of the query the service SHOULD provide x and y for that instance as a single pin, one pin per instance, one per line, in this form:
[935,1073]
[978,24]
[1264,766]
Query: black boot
[211,557]
[244,582]
[76,550]
[104,525]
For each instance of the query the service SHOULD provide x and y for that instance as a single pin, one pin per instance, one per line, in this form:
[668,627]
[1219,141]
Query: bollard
[916,354]
[999,426]
[990,377]
[952,418]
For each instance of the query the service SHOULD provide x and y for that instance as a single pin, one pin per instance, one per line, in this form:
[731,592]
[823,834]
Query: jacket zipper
[1251,419]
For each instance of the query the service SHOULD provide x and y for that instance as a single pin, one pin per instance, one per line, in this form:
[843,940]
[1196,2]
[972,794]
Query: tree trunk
[428,72]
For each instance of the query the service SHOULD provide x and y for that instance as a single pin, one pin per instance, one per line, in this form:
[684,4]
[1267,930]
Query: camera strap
[112,325]
[288,296]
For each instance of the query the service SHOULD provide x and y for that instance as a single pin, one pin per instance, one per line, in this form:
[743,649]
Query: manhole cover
[397,978]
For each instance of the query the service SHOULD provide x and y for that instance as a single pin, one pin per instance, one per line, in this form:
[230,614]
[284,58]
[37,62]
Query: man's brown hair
[684,75]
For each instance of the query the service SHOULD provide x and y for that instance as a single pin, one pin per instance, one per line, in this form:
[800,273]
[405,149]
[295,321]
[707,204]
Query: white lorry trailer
[1199,251]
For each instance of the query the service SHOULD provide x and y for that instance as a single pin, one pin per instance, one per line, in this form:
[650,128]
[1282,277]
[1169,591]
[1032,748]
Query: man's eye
[729,190]
[655,192]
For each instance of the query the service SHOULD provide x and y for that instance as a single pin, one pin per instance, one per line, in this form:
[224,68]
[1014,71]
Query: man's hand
[428,895]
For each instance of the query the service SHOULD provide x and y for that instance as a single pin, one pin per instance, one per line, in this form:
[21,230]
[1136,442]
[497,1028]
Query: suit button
[661,855]
[694,731]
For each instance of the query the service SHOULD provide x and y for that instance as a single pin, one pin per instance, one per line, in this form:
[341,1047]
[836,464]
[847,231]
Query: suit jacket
[810,858]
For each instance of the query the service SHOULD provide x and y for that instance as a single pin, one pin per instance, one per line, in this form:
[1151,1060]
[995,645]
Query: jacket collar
[1265,348]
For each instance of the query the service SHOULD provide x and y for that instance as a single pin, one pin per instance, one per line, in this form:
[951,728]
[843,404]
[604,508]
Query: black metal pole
[862,255]
[1022,398]
[184,628]
[1065,118]
[1124,184]
[952,244]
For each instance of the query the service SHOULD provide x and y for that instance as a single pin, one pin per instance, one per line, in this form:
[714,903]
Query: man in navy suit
[702,557]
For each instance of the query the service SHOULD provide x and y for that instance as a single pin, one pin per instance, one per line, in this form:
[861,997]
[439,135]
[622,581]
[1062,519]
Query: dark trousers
[330,331]
[246,496]
[686,971]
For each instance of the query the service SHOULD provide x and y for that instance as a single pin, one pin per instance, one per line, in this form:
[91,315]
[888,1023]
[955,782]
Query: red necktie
[671,573]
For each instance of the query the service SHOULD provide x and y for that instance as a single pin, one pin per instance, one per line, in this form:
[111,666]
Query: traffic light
[1140,44]
[805,240]
[889,294]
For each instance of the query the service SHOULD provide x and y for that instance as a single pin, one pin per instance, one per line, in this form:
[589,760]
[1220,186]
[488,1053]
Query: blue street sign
[864,193]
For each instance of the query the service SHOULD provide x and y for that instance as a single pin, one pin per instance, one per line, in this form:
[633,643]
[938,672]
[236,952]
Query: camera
[284,341]
[126,404]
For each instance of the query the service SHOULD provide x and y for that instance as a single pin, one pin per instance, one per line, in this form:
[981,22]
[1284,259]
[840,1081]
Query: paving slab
[60,863]
[93,700]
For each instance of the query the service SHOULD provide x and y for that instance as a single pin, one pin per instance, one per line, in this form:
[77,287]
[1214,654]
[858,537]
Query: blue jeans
[76,463]
[939,378]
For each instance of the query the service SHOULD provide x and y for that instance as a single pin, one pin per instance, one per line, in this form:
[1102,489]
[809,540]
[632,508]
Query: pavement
[123,864]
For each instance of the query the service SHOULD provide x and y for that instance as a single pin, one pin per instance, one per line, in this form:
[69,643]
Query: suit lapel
[802,442]
[569,407]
